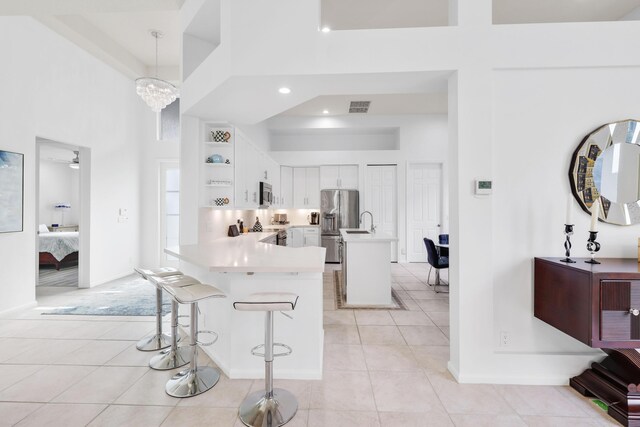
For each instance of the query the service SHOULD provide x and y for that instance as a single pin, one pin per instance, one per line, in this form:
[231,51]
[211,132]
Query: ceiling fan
[73,163]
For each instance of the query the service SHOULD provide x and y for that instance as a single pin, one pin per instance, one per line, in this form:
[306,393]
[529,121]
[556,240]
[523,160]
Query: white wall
[534,140]
[421,139]
[54,90]
[559,82]
[58,183]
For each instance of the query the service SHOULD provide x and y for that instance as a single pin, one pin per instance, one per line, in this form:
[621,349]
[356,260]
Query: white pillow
[42,228]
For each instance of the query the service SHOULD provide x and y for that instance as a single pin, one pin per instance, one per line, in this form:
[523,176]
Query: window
[170,221]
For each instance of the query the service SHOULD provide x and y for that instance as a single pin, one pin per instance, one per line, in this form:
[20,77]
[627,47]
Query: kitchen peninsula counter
[240,266]
[248,254]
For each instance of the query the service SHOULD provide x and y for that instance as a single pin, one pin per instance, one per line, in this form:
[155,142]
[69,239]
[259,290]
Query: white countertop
[246,253]
[378,236]
[269,227]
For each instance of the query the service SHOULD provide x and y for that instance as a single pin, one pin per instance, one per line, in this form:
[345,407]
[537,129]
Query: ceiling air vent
[359,106]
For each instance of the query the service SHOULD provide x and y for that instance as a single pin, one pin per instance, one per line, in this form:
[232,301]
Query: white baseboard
[515,380]
[109,279]
[26,306]
[453,370]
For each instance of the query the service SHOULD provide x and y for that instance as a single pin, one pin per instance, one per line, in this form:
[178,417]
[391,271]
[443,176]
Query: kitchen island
[366,265]
[240,266]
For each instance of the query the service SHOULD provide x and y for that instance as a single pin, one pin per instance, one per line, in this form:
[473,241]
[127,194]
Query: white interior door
[169,211]
[382,201]
[424,210]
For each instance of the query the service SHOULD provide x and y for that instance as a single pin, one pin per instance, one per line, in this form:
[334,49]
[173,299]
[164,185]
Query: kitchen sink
[357,232]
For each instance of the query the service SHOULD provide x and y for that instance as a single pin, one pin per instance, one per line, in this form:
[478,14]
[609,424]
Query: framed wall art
[11,191]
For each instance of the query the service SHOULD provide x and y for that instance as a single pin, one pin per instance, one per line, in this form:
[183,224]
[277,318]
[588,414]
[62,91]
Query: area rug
[396,301]
[131,296]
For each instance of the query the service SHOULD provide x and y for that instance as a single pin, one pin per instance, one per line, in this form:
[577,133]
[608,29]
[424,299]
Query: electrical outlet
[504,338]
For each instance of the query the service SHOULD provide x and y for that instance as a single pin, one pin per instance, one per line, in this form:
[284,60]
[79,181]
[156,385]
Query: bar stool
[158,341]
[195,379]
[269,407]
[175,356]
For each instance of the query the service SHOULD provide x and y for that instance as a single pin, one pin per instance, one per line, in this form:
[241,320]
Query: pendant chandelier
[157,93]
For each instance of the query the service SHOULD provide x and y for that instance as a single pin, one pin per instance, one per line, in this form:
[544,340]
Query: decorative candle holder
[593,247]
[568,231]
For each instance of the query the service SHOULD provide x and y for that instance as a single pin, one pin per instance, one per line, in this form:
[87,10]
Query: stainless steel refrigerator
[338,209]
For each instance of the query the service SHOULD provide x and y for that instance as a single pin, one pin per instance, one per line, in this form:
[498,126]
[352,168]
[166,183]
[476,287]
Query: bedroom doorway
[60,217]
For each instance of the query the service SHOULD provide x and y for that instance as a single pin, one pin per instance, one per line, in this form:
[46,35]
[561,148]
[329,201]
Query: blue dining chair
[443,239]
[435,261]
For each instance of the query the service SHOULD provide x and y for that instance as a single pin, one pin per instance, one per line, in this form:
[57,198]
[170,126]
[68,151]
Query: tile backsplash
[214,223]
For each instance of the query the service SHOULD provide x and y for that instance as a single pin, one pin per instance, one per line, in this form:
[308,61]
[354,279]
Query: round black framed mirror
[606,166]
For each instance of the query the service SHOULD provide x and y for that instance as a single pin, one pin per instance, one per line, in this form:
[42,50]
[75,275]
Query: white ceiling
[548,11]
[381,104]
[364,14]
[116,31]
[131,31]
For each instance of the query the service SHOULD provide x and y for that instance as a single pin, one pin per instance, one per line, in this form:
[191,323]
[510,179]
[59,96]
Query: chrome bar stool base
[171,358]
[175,356]
[195,379]
[271,407]
[258,410]
[154,343]
[192,382]
[159,340]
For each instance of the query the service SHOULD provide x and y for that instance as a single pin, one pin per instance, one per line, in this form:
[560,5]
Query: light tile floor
[382,368]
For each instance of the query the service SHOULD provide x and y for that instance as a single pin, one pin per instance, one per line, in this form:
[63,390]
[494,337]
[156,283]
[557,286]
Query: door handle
[438,225]
[634,311]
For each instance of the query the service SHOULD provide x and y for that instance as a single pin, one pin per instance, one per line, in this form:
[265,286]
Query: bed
[58,248]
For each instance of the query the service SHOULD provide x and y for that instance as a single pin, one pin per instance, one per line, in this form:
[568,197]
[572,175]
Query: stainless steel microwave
[266,194]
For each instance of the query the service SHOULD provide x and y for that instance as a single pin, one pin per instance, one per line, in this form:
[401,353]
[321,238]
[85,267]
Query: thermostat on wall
[483,187]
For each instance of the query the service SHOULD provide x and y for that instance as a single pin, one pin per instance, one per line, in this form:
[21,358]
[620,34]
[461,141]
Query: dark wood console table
[598,305]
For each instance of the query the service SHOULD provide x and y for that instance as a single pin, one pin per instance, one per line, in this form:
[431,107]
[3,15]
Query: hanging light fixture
[155,92]
[75,162]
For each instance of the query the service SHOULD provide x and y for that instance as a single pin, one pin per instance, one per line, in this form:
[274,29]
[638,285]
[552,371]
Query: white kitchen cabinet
[237,182]
[311,236]
[299,187]
[313,188]
[256,174]
[298,237]
[349,177]
[247,170]
[286,187]
[295,237]
[306,188]
[275,181]
[329,176]
[241,190]
[339,176]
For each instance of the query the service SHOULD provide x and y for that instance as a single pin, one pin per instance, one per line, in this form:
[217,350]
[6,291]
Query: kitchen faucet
[373,227]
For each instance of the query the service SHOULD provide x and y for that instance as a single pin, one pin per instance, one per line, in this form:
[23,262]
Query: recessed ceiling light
[325,111]
[325,29]
[284,90]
